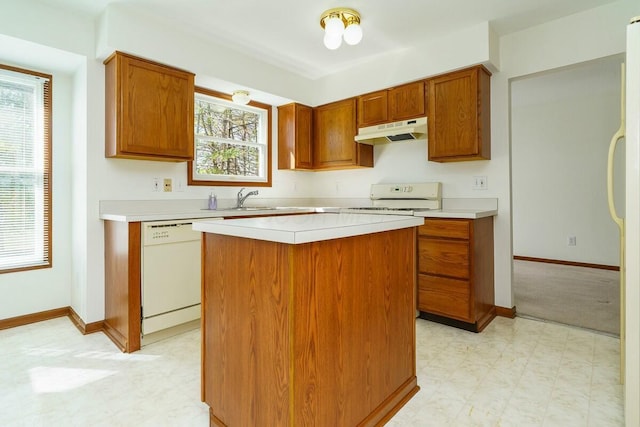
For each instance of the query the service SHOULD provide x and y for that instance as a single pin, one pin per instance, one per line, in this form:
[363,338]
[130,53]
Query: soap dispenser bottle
[213,202]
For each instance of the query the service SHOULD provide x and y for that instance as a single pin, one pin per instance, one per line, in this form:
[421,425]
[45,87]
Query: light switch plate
[479,183]
[167,185]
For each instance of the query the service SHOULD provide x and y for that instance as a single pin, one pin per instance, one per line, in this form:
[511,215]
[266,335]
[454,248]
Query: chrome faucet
[241,198]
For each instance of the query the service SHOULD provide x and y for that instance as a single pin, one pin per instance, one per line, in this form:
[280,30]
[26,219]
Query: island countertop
[296,229]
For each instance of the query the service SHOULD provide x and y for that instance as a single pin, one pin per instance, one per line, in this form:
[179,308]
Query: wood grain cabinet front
[149,110]
[334,131]
[455,272]
[459,116]
[295,136]
[390,105]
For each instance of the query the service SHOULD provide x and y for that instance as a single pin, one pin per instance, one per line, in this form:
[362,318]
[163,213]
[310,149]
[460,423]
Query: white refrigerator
[629,226]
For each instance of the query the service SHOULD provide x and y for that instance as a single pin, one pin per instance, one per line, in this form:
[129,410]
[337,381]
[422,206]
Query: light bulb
[333,25]
[240,97]
[353,33]
[332,42]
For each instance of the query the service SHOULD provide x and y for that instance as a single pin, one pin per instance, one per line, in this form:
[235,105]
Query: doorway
[565,245]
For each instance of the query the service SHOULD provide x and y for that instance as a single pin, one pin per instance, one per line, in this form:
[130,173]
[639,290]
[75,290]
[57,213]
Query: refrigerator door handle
[612,149]
[620,222]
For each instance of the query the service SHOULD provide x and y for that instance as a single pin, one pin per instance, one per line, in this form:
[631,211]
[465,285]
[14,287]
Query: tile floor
[519,372]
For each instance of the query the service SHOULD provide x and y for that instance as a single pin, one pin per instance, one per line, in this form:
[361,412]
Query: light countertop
[159,210]
[137,216]
[458,213]
[296,229]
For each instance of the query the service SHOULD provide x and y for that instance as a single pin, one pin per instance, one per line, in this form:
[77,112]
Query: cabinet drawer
[450,228]
[445,297]
[443,257]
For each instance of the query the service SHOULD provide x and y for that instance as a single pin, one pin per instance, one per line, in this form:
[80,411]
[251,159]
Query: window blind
[25,169]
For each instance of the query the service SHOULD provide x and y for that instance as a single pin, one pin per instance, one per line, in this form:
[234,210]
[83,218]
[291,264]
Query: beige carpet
[578,296]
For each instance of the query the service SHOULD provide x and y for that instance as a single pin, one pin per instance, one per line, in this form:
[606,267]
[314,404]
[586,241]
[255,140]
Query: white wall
[561,125]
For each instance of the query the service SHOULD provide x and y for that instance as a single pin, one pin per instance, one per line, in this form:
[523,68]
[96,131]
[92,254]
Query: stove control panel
[401,189]
[423,190]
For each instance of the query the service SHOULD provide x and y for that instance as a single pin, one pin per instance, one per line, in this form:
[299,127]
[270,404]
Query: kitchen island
[308,320]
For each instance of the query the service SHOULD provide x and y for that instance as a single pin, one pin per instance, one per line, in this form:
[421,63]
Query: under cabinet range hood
[406,130]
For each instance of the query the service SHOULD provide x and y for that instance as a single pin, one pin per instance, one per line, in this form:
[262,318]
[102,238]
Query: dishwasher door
[171,268]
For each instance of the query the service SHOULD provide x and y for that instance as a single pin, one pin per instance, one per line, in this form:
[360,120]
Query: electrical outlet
[571,241]
[167,185]
[479,183]
[155,184]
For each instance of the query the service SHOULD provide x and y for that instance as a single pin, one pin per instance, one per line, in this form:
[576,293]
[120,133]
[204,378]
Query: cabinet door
[373,108]
[445,297]
[447,228]
[407,101]
[458,111]
[334,137]
[448,258]
[295,136]
[152,111]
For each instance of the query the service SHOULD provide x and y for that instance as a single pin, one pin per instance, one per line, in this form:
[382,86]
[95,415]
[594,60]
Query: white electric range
[401,199]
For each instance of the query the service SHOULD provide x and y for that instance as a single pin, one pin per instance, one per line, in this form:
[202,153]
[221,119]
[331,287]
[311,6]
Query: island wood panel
[360,331]
[245,331]
[122,284]
[347,306]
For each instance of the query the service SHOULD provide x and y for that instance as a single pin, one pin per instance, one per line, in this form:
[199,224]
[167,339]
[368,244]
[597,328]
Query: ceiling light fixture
[339,23]
[241,97]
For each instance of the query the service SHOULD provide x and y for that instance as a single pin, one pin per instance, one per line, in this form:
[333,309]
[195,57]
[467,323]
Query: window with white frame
[25,169]
[232,142]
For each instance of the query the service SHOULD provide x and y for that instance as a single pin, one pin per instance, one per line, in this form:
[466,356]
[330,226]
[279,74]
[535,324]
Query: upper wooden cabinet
[295,135]
[149,110]
[334,131]
[389,105]
[459,116]
[373,108]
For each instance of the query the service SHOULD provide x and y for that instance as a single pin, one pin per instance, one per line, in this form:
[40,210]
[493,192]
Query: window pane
[25,102]
[217,120]
[221,158]
[17,118]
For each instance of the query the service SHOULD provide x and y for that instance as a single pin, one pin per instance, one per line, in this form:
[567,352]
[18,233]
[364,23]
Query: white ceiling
[287,33]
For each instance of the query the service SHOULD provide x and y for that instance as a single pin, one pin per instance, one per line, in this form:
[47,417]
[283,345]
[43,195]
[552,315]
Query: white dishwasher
[171,269]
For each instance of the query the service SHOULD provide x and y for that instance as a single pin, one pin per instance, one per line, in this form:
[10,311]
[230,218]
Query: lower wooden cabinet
[122,259]
[455,272]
